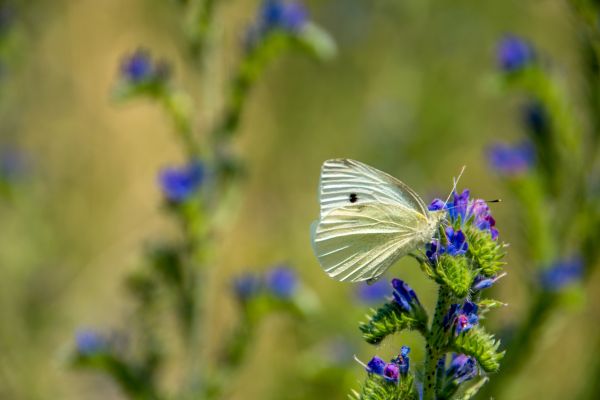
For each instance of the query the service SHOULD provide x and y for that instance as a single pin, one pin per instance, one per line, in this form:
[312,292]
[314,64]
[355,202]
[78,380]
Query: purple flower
[247,286]
[561,274]
[404,295]
[436,205]
[403,361]
[459,206]
[512,160]
[457,242]
[376,366]
[480,211]
[433,251]
[391,372]
[514,54]
[180,183]
[481,282]
[373,293]
[462,368]
[282,282]
[88,342]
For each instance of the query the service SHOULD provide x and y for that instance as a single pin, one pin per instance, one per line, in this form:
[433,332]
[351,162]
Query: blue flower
[403,361]
[482,219]
[561,274]
[391,372]
[436,205]
[180,183]
[282,282]
[139,67]
[373,293]
[514,54]
[247,286]
[456,245]
[462,368]
[481,282]
[89,342]
[462,317]
[376,366]
[512,160]
[290,17]
[459,206]
[466,317]
[404,295]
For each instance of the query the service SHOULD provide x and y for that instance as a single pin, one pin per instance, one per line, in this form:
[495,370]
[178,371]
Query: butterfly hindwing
[361,241]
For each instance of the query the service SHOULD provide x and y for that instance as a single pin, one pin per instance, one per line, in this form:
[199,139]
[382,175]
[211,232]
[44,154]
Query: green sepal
[455,273]
[486,305]
[473,390]
[481,346]
[391,318]
[377,388]
[485,252]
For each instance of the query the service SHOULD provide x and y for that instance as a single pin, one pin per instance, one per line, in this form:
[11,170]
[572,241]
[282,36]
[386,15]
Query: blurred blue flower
[13,164]
[403,361]
[376,366]
[404,295]
[273,15]
[247,286]
[180,183]
[514,54]
[536,119]
[88,342]
[373,293]
[139,67]
[282,282]
[562,273]
[512,160]
[462,368]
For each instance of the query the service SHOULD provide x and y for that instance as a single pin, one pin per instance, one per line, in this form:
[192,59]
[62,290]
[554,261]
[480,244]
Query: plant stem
[435,340]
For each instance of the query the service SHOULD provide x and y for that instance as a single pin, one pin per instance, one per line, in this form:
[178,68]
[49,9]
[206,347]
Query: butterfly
[368,221]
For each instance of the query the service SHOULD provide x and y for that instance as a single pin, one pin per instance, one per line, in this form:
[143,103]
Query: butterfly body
[368,221]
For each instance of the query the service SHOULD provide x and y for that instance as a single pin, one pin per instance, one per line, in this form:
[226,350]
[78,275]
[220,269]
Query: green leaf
[481,346]
[389,319]
[455,273]
[377,388]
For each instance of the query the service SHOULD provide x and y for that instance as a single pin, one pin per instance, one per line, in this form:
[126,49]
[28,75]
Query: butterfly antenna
[360,362]
[454,184]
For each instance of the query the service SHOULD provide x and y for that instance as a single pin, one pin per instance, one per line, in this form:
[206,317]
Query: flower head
[512,160]
[376,366]
[462,317]
[180,183]
[88,342]
[561,274]
[462,368]
[374,292]
[404,295]
[139,67]
[282,282]
[514,54]
[459,206]
[274,15]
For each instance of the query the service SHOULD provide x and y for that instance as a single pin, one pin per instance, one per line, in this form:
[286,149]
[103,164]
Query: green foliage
[456,273]
[481,346]
[485,252]
[389,319]
[377,388]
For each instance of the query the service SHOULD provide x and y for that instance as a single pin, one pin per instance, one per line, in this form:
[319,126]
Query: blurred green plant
[197,194]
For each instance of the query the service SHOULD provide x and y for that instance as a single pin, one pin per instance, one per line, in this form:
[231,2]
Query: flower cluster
[280,282]
[461,318]
[181,183]
[393,370]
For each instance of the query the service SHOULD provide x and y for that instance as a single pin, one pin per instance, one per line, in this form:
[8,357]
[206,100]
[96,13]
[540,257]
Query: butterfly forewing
[345,182]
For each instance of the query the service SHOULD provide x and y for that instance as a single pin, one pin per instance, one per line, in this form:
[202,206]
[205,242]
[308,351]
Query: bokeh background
[411,91]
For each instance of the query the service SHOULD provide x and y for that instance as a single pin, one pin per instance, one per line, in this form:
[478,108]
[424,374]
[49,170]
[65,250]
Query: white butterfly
[368,221]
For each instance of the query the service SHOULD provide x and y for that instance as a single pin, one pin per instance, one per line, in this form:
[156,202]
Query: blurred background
[411,92]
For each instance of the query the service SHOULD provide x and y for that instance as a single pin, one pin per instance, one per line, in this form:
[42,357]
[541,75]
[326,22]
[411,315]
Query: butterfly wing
[360,242]
[342,178]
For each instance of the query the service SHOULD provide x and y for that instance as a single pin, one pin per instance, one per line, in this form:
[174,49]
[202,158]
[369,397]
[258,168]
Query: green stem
[435,340]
